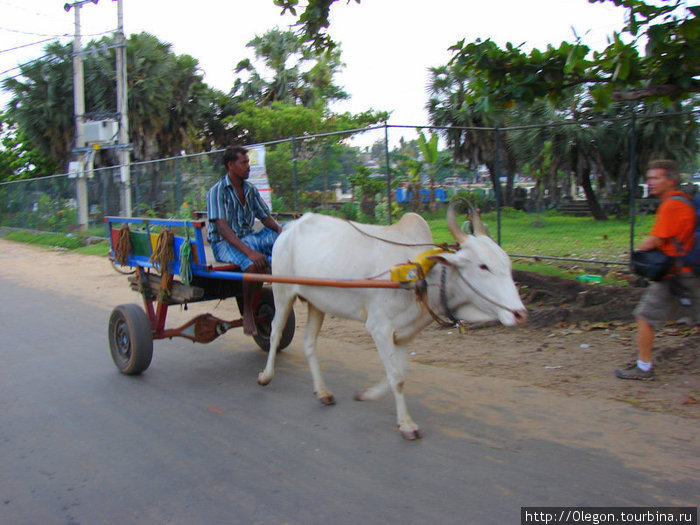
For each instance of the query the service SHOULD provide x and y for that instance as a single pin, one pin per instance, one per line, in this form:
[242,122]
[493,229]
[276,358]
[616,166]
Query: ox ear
[443,258]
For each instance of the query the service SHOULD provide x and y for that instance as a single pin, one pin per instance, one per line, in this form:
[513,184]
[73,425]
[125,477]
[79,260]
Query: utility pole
[79,113]
[123,111]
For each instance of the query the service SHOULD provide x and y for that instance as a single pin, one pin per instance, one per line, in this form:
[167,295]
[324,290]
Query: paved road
[195,440]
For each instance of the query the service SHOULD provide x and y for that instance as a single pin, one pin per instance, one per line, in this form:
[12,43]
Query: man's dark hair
[232,153]
[669,166]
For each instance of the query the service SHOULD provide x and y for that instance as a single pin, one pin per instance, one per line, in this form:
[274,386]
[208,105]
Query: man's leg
[262,242]
[642,369]
[652,308]
[645,340]
[224,252]
[249,289]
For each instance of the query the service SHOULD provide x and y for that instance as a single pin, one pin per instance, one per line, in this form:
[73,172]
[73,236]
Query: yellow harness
[416,269]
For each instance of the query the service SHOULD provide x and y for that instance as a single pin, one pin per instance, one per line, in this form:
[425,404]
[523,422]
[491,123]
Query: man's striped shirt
[223,203]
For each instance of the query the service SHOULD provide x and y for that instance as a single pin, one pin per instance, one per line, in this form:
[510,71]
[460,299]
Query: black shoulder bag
[652,264]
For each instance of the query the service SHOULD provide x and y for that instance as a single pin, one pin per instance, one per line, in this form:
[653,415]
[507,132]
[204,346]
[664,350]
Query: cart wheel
[130,339]
[124,270]
[263,323]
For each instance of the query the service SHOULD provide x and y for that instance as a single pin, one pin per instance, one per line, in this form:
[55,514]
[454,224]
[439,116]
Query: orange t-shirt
[675,219]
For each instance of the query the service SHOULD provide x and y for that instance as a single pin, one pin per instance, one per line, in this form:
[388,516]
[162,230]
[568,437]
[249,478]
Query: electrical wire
[27,45]
[52,59]
[30,33]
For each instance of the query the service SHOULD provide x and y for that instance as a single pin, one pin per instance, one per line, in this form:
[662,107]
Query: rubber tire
[267,307]
[130,339]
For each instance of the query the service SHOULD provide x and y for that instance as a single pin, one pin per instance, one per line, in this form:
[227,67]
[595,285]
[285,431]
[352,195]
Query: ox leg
[313,327]
[375,392]
[283,305]
[394,359]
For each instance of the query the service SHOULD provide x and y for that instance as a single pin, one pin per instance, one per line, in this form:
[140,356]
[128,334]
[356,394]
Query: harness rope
[421,291]
[397,243]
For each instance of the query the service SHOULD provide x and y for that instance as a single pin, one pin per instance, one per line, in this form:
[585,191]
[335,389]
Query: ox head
[479,282]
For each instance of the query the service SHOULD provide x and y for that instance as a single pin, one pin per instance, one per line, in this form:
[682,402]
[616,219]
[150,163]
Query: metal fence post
[632,178]
[388,171]
[178,183]
[497,186]
[294,171]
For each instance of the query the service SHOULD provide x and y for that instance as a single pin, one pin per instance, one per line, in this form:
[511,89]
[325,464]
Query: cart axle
[202,329]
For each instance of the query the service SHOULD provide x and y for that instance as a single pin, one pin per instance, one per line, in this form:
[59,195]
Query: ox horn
[475,217]
[458,234]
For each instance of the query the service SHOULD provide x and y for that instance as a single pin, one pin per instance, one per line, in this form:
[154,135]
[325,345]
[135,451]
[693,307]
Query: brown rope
[386,240]
[123,246]
[163,253]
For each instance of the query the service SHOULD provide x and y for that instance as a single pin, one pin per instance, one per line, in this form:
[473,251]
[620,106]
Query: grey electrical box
[100,131]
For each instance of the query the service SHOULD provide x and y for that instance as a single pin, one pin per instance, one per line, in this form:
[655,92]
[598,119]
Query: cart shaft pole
[314,281]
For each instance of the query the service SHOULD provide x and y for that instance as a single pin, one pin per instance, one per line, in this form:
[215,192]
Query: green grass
[549,234]
[70,242]
[557,235]
[552,234]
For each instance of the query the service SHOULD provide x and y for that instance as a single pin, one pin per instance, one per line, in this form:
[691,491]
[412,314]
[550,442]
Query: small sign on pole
[74,169]
[258,173]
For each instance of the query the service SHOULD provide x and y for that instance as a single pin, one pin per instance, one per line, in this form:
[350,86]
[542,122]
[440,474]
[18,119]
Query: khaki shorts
[659,305]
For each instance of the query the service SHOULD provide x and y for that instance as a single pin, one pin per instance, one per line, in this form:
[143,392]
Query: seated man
[233,204]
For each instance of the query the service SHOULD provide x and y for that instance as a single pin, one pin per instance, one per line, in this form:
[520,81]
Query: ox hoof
[411,434]
[360,395]
[327,399]
[263,379]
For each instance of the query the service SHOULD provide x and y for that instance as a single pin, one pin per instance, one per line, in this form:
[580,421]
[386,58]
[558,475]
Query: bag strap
[682,198]
[676,242]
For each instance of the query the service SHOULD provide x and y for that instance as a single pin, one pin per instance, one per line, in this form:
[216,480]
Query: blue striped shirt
[223,203]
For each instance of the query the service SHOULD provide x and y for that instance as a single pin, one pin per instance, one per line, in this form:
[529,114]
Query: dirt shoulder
[576,337]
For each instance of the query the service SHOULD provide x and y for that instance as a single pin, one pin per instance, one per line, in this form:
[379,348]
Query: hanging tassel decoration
[163,253]
[123,246]
[186,260]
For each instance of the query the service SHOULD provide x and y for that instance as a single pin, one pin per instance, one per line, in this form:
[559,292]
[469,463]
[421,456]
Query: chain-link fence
[541,207]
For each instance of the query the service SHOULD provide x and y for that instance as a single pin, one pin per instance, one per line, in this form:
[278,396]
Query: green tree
[281,121]
[314,20]
[670,30]
[667,69]
[167,98]
[408,170]
[299,75]
[19,159]
[365,189]
[433,161]
[452,103]
[42,103]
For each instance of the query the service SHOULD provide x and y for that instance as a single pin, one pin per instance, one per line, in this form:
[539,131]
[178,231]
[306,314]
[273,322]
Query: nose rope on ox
[443,296]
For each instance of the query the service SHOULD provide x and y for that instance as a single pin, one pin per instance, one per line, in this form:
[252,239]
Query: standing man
[674,224]
[233,204]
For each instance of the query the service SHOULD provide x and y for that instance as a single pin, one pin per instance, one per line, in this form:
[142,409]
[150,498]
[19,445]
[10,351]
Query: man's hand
[259,261]
[649,243]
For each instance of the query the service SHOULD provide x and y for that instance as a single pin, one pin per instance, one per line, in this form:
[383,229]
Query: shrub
[349,211]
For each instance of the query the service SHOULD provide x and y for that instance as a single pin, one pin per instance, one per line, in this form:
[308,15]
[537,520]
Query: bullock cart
[172,265]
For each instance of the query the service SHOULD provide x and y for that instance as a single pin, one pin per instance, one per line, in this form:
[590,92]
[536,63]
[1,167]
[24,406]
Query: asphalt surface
[194,440]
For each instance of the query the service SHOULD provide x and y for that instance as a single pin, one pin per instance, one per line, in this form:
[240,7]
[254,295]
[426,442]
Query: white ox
[478,286]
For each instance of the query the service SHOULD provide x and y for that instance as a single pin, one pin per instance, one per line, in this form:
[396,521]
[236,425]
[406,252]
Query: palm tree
[42,102]
[299,76]
[433,160]
[451,103]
